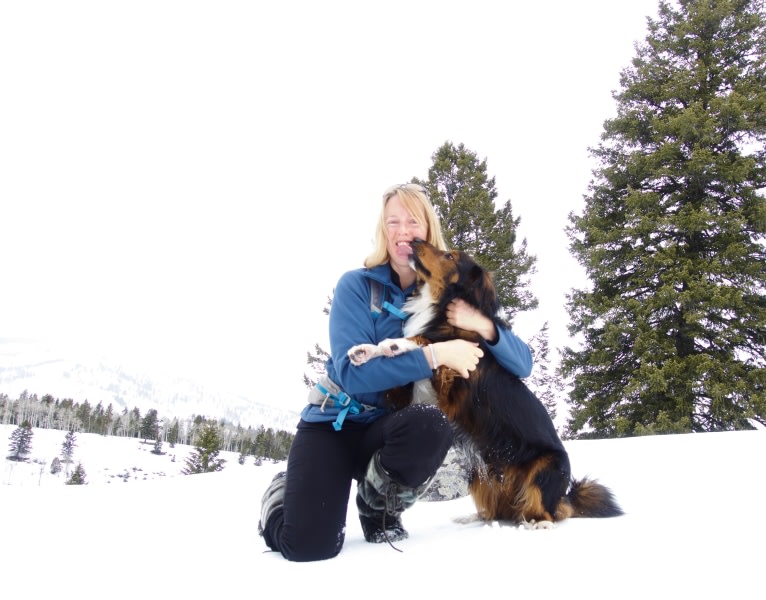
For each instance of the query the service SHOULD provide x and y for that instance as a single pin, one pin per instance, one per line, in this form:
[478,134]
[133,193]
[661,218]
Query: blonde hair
[415,199]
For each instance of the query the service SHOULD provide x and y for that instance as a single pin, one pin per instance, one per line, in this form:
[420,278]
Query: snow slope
[692,528]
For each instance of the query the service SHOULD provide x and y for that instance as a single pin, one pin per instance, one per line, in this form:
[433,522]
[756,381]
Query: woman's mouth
[403,248]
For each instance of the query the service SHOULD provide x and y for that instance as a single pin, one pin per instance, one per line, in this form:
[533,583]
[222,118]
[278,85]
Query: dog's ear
[483,291]
[475,275]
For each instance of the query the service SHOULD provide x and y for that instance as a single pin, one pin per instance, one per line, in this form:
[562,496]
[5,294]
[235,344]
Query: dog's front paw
[362,353]
[396,346]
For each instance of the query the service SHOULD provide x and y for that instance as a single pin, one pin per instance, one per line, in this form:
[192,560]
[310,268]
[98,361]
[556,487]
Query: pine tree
[56,466]
[317,363]
[150,425]
[173,433]
[21,441]
[134,422]
[67,447]
[106,422]
[84,414]
[205,459]
[673,325]
[544,382]
[464,197]
[77,477]
[317,360]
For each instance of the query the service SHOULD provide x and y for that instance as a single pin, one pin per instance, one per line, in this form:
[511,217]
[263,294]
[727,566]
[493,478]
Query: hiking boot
[381,501]
[271,502]
[379,526]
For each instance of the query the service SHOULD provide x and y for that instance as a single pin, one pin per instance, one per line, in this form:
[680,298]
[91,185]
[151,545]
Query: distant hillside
[41,369]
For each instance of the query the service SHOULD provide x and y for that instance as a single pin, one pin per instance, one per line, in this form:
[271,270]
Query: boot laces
[390,499]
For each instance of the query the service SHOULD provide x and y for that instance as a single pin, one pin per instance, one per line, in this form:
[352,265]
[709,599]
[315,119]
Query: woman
[346,432]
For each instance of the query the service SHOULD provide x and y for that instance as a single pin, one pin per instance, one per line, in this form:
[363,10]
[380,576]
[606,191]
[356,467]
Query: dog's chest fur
[422,311]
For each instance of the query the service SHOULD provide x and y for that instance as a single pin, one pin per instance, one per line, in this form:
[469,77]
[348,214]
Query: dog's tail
[587,498]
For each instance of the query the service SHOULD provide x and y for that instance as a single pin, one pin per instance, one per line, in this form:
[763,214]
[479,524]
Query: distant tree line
[47,412]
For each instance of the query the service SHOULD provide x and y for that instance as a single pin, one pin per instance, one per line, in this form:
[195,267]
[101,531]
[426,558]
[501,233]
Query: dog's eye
[449,256]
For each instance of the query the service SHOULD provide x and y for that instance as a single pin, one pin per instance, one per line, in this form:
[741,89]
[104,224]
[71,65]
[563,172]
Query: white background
[185,181]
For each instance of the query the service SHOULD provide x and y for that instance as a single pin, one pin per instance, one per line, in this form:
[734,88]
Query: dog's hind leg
[552,479]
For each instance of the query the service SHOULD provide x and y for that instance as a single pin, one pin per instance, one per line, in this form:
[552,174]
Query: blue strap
[377,293]
[343,399]
[397,312]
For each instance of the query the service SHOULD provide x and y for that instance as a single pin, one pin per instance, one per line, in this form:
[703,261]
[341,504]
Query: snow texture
[140,526]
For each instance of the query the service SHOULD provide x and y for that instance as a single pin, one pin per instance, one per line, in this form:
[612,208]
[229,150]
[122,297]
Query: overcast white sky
[187,180]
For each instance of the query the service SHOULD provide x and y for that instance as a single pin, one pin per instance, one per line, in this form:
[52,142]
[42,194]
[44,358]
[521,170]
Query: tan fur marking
[513,495]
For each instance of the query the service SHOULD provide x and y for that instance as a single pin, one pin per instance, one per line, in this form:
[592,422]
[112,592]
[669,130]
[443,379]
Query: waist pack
[328,393]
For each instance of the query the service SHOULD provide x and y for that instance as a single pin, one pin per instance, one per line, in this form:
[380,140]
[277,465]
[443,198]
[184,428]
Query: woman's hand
[464,316]
[460,355]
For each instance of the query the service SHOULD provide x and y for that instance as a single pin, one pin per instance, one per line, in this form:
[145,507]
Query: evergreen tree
[205,459]
[464,197]
[134,422]
[77,477]
[157,446]
[97,419]
[56,466]
[106,422]
[544,382]
[150,425]
[317,363]
[173,433]
[67,447]
[21,442]
[673,324]
[317,360]
[83,414]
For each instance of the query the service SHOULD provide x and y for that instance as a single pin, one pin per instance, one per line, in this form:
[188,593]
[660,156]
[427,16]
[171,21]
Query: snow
[691,528]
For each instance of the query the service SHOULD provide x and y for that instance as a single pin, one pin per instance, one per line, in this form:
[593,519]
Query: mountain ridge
[40,368]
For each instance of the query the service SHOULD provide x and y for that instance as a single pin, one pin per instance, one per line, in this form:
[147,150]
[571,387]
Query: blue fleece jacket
[352,323]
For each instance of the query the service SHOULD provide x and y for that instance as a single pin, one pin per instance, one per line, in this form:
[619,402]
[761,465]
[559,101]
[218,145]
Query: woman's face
[401,229]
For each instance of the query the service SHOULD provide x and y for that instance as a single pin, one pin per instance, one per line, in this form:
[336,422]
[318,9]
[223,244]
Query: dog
[519,468]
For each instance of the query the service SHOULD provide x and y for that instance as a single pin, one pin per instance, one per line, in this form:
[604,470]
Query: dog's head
[453,274]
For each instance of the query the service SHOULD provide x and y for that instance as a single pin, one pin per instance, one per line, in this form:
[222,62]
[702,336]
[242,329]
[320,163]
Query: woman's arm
[351,323]
[509,350]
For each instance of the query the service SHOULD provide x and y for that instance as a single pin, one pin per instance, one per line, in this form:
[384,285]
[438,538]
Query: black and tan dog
[520,468]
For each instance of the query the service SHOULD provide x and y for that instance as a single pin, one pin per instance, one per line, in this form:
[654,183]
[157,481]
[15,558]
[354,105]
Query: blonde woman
[346,431]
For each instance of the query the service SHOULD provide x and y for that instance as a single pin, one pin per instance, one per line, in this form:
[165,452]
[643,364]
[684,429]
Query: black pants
[323,462]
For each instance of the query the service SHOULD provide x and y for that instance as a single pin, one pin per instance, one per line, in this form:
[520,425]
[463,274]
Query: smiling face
[401,228]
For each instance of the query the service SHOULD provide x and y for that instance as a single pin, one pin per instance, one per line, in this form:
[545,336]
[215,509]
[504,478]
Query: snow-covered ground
[692,529]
